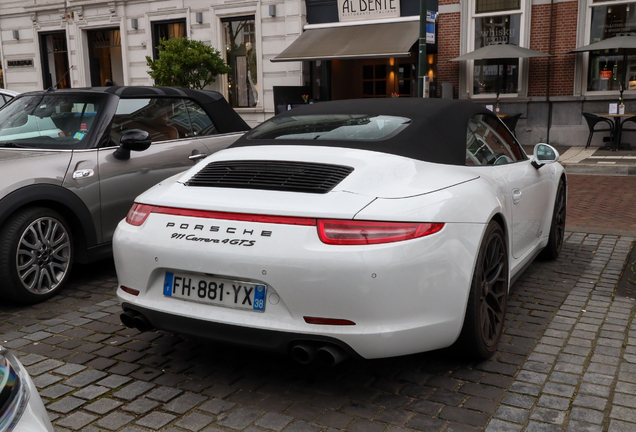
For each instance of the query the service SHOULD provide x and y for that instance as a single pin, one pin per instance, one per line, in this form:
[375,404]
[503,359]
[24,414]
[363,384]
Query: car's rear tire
[486,308]
[36,255]
[556,237]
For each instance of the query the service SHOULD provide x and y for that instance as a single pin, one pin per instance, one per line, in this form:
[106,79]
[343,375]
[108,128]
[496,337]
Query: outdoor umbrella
[616,42]
[500,51]
[622,43]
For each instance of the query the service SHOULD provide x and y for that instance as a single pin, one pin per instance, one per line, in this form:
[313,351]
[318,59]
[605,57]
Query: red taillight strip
[328,321]
[129,290]
[208,214]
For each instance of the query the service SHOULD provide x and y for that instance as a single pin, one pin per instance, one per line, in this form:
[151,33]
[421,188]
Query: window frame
[583,38]
[469,45]
[154,36]
[154,142]
[514,143]
[258,66]
[219,14]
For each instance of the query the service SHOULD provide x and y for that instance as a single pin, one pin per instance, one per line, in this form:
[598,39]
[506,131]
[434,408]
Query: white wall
[274,34]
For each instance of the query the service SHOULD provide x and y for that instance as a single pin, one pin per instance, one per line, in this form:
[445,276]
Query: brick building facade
[104,40]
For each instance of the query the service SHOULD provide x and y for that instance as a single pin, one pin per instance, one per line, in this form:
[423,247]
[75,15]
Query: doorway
[105,58]
[54,55]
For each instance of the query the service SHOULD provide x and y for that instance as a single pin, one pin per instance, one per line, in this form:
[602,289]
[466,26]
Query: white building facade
[107,42]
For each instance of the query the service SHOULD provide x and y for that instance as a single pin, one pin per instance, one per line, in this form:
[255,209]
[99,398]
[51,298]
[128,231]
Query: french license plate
[216,291]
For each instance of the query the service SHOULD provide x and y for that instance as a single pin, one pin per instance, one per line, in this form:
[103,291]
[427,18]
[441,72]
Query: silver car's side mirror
[133,139]
[544,154]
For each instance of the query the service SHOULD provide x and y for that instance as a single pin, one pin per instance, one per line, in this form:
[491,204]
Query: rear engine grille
[271,175]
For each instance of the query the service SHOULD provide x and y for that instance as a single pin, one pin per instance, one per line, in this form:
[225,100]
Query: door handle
[516,196]
[84,173]
[197,156]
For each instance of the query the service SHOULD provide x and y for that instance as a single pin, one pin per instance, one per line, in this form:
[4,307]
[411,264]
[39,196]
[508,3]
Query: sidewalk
[595,160]
[581,375]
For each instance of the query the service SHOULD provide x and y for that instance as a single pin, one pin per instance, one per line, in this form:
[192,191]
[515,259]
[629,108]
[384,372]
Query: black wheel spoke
[494,290]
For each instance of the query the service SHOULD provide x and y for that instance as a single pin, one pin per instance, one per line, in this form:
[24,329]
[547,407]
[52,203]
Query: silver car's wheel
[37,256]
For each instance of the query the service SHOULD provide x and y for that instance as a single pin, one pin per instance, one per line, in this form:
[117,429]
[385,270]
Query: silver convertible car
[72,161]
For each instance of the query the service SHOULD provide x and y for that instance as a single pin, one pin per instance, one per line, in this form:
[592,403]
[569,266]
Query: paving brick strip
[581,376]
[567,362]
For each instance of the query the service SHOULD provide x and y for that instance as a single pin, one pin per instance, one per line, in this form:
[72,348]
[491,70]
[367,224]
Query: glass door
[105,57]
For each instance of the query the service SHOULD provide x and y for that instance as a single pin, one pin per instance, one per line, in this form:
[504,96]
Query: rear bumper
[404,297]
[270,340]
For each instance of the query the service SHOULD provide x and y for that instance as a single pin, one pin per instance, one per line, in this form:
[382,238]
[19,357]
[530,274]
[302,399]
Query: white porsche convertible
[371,228]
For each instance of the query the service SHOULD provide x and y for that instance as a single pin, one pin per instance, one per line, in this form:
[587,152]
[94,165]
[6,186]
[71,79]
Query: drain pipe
[550,71]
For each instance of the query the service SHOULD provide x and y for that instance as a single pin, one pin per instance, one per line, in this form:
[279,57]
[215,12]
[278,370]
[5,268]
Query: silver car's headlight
[14,391]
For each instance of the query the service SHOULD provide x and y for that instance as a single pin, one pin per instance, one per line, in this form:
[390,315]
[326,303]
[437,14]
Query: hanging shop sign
[353,10]
[431,18]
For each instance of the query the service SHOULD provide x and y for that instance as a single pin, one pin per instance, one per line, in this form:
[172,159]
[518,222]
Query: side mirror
[544,154]
[133,139]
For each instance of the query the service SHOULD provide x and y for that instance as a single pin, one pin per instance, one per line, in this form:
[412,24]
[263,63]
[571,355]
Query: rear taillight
[330,231]
[138,214]
[340,232]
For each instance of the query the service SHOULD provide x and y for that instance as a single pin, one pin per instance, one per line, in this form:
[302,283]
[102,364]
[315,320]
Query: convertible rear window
[337,127]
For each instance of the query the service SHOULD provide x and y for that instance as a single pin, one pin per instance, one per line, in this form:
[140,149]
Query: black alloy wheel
[36,255]
[486,308]
[557,227]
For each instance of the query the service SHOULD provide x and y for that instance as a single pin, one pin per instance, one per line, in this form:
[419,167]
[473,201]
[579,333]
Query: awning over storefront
[353,42]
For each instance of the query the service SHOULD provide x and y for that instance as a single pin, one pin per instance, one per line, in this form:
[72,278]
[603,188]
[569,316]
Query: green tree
[187,63]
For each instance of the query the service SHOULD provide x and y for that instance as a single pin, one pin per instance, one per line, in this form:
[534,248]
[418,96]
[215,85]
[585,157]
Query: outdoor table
[618,125]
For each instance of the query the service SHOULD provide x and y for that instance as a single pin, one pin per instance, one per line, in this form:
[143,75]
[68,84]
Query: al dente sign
[350,10]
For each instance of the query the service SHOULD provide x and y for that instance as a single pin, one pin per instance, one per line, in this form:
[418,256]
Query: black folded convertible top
[437,132]
[226,120]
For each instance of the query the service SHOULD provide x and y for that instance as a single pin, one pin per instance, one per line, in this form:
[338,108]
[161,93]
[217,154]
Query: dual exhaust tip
[132,319]
[304,353]
[326,355]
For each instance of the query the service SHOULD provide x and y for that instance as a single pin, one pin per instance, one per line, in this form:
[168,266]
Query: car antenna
[60,80]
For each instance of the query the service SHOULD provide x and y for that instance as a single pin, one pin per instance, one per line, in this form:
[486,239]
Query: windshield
[330,127]
[49,121]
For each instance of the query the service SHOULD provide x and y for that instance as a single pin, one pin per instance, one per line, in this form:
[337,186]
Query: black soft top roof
[225,118]
[437,132]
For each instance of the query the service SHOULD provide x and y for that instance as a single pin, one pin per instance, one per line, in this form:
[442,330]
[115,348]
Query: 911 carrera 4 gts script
[194,238]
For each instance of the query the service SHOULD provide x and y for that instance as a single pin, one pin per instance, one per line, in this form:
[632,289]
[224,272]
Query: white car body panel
[375,174]
[33,417]
[357,287]
[309,278]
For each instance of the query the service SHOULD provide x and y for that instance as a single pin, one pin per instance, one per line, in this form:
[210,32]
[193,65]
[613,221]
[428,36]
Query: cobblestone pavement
[567,361]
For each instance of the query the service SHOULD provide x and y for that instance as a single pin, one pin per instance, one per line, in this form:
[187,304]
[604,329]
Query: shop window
[611,69]
[163,119]
[166,30]
[374,80]
[492,76]
[54,56]
[241,56]
[105,57]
